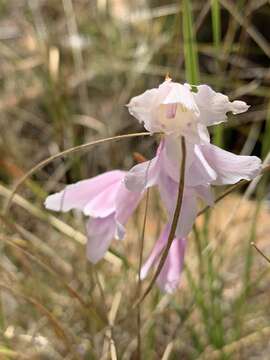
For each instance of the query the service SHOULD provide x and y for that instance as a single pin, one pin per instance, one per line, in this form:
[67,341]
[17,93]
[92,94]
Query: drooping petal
[100,233]
[76,196]
[171,157]
[125,204]
[168,189]
[156,251]
[214,106]
[188,213]
[230,168]
[169,277]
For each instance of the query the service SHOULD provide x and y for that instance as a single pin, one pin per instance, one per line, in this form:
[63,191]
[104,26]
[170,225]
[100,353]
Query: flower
[110,199]
[108,204]
[169,277]
[175,109]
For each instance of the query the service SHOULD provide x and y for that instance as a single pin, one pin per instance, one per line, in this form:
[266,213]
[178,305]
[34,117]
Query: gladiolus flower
[111,198]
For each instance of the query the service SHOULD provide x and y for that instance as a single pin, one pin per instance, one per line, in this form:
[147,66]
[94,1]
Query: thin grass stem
[61,154]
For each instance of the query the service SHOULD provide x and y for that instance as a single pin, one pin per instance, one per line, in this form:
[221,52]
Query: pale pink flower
[111,198]
[108,204]
[176,110]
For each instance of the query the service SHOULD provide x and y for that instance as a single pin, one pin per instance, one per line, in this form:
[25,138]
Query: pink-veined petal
[230,168]
[76,196]
[100,233]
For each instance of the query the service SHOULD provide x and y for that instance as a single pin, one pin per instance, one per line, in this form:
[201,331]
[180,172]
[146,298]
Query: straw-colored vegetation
[67,70]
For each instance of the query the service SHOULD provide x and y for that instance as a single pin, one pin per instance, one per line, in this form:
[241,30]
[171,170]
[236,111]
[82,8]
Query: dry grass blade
[50,270]
[260,252]
[58,329]
[65,153]
[174,222]
[38,213]
[251,30]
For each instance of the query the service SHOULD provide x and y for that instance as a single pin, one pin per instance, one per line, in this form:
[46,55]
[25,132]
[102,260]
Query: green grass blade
[216,30]
[216,24]
[190,45]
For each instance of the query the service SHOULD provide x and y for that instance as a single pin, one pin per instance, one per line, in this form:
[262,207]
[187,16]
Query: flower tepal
[107,203]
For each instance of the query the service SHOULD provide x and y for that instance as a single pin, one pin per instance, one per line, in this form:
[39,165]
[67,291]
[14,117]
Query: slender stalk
[61,154]
[174,223]
[260,252]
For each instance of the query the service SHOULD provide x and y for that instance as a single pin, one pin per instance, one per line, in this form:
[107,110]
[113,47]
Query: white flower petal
[214,106]
[180,94]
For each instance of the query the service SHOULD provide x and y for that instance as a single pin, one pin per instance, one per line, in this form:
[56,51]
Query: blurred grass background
[67,70]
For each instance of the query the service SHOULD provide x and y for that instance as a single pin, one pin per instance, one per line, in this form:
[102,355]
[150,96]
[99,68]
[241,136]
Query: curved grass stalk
[61,154]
